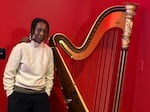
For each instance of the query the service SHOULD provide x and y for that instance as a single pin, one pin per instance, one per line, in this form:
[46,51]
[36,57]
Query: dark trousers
[21,102]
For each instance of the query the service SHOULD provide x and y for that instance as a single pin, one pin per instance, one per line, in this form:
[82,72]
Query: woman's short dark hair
[34,23]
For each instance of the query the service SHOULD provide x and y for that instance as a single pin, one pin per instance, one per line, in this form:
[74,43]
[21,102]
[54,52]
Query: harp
[106,33]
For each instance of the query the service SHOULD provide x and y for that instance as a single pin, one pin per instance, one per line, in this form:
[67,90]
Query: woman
[29,72]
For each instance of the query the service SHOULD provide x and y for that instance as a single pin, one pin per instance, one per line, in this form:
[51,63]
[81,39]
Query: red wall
[74,19]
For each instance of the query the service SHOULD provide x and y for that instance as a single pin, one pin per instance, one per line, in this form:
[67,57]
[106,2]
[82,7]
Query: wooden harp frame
[118,17]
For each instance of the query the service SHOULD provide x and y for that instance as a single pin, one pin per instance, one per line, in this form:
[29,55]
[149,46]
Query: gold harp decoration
[113,17]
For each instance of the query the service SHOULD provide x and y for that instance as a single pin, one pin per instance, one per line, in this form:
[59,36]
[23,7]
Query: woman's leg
[19,102]
[40,102]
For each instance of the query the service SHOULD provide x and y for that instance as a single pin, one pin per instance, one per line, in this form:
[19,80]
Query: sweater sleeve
[11,69]
[50,74]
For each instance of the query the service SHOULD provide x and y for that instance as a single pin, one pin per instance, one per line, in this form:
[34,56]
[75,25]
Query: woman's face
[41,32]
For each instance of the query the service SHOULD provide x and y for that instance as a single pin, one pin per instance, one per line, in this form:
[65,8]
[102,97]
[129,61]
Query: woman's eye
[45,31]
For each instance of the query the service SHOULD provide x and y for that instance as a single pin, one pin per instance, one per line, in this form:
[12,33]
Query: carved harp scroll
[118,17]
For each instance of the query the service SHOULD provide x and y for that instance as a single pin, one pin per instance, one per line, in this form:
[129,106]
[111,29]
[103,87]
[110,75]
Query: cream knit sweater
[31,66]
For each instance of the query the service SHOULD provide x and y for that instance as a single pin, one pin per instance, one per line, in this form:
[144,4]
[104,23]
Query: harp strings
[107,51]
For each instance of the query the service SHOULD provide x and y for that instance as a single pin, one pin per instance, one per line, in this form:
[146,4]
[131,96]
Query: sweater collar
[35,44]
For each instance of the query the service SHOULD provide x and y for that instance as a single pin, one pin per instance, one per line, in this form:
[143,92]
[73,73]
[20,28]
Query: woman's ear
[33,36]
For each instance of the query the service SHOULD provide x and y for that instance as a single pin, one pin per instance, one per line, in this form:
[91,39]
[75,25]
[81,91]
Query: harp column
[129,16]
[130,13]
